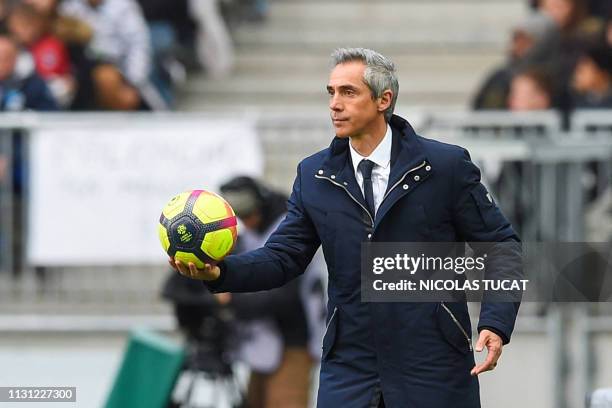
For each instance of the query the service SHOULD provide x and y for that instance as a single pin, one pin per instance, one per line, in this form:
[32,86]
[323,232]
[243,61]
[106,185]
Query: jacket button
[345,183]
[333,177]
[369,236]
[428,168]
[417,178]
[405,186]
[320,171]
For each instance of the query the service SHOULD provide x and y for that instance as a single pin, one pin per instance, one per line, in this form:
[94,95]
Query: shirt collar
[381,156]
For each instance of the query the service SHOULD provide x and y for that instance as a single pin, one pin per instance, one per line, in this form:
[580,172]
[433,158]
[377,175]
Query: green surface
[146,377]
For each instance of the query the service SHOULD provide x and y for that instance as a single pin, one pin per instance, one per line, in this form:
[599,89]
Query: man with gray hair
[381,182]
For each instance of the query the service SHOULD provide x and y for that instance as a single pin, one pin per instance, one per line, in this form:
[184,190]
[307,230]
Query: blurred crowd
[559,57]
[96,55]
[111,54]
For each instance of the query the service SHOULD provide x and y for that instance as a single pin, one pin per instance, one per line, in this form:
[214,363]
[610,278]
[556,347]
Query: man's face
[526,95]
[521,44]
[586,75]
[46,7]
[8,56]
[560,10]
[25,29]
[353,110]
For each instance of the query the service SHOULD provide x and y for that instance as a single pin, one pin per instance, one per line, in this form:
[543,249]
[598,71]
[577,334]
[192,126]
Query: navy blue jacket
[418,355]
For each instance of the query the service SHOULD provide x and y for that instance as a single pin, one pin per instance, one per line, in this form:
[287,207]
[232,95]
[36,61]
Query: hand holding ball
[197,229]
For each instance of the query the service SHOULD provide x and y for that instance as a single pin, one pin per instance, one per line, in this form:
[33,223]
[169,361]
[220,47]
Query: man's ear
[385,100]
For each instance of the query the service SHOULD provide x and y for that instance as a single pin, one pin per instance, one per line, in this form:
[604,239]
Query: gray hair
[379,74]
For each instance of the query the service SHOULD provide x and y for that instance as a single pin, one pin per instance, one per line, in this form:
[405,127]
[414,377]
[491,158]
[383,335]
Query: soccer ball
[197,226]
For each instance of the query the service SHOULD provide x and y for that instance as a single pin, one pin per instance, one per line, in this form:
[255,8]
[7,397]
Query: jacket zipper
[402,179]
[350,195]
[330,320]
[469,341]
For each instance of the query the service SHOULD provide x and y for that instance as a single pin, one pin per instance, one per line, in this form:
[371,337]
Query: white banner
[96,192]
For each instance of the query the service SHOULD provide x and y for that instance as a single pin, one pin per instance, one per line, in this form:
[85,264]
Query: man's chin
[342,132]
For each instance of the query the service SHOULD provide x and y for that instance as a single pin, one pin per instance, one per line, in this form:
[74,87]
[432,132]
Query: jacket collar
[407,156]
[406,153]
[338,168]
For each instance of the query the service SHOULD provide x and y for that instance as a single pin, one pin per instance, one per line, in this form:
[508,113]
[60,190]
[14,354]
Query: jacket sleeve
[278,302]
[285,255]
[477,219]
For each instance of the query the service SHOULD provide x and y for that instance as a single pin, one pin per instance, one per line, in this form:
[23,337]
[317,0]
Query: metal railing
[536,170]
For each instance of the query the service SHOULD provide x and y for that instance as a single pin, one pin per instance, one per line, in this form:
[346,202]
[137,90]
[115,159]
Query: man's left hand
[494,345]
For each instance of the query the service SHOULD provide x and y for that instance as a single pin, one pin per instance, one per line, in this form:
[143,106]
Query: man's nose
[334,103]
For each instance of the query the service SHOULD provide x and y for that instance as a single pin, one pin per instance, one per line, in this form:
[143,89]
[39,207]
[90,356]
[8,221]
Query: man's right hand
[208,273]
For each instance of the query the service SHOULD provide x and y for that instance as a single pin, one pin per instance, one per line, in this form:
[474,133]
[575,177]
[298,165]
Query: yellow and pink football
[197,226]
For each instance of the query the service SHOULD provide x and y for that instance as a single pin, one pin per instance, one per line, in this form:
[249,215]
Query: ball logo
[185,236]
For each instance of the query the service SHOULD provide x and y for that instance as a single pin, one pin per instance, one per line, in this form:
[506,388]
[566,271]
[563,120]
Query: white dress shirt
[381,156]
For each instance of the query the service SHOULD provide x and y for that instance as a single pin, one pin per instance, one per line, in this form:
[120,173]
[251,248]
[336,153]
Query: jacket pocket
[453,329]
[417,221]
[488,210]
[328,241]
[406,221]
[329,338]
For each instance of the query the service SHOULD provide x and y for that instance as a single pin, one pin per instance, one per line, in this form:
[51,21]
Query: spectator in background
[46,7]
[3,14]
[531,90]
[179,26]
[572,17]
[76,35]
[69,30]
[532,42]
[172,31]
[213,42]
[592,80]
[32,29]
[600,8]
[577,29]
[20,90]
[121,47]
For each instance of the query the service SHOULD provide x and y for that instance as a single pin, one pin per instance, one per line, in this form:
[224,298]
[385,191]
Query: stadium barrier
[552,184]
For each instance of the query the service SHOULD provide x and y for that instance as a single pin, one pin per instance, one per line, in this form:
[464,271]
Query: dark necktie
[365,167]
